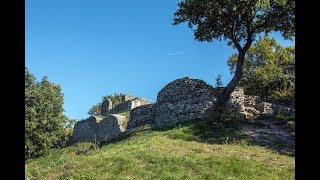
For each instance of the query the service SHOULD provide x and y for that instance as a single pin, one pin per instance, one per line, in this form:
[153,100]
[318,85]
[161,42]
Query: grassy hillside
[188,151]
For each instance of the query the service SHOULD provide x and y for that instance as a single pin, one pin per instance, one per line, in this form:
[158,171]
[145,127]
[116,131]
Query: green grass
[289,120]
[188,151]
[285,117]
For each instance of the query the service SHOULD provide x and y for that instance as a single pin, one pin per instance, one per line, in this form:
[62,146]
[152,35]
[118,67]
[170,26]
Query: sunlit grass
[188,151]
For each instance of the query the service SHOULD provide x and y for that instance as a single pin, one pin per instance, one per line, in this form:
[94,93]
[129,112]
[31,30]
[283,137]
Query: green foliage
[45,125]
[116,99]
[65,132]
[268,70]
[285,117]
[177,153]
[218,81]
[236,20]
[95,110]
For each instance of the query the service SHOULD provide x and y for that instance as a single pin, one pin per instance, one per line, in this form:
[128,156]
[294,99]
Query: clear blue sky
[95,48]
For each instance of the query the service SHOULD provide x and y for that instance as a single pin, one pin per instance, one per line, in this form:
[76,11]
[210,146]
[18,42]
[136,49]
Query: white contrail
[176,53]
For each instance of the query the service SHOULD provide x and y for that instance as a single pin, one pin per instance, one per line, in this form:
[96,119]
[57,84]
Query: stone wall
[106,106]
[235,107]
[139,102]
[142,115]
[110,127]
[279,109]
[182,100]
[251,101]
[127,97]
[128,105]
[85,130]
[122,107]
[98,128]
[110,124]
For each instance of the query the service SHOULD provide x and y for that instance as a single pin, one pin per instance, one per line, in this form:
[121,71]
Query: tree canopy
[45,125]
[95,110]
[238,22]
[269,69]
[116,99]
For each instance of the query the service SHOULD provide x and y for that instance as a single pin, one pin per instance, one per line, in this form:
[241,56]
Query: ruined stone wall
[85,130]
[235,107]
[127,97]
[98,128]
[106,106]
[110,127]
[139,102]
[268,108]
[181,100]
[142,115]
[122,107]
[251,101]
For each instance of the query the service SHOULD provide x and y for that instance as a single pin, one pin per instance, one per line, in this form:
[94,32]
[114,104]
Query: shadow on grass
[240,132]
[201,131]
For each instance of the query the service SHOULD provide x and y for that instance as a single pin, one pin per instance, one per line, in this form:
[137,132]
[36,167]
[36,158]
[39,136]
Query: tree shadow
[231,133]
[247,133]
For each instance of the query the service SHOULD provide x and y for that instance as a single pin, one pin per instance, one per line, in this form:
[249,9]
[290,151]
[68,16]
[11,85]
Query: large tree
[238,22]
[268,70]
[45,124]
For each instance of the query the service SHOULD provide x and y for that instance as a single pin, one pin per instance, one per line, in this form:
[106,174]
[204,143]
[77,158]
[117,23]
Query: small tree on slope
[239,22]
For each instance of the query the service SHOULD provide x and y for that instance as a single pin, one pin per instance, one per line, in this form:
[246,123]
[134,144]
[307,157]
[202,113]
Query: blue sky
[95,48]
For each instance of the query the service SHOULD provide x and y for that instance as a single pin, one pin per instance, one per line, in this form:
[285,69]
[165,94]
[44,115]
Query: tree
[268,70]
[218,81]
[116,99]
[239,22]
[43,115]
[95,110]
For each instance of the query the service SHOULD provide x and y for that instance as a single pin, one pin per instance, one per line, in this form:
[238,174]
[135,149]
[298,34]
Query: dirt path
[271,133]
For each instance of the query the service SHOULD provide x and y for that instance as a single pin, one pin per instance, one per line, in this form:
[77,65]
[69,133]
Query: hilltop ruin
[181,100]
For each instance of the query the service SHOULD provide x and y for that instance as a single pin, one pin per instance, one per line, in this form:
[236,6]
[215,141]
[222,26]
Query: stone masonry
[106,106]
[179,101]
[107,126]
[98,128]
[142,115]
[182,100]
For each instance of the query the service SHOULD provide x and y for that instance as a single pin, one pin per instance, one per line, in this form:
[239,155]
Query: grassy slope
[188,151]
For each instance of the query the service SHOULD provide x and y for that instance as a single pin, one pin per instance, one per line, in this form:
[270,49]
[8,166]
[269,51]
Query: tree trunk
[217,113]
